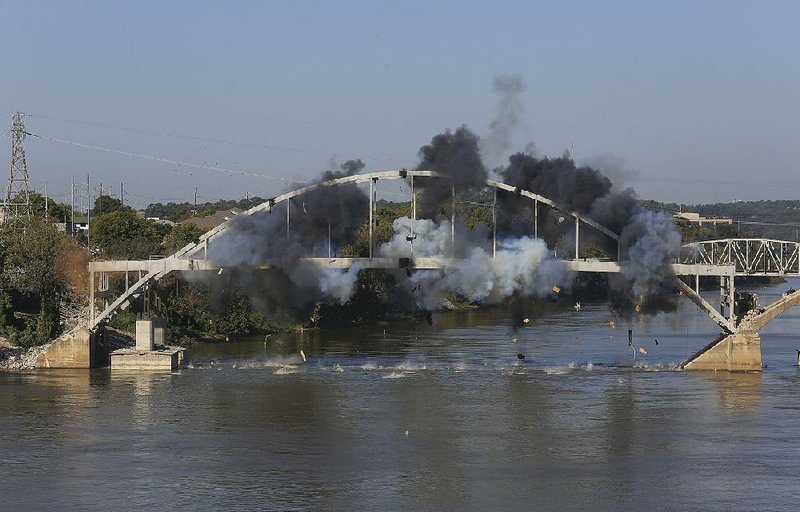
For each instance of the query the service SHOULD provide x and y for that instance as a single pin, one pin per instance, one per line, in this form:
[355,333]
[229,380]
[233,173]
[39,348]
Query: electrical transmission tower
[18,193]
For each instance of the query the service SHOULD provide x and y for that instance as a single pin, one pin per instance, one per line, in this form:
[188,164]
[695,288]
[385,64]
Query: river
[405,417]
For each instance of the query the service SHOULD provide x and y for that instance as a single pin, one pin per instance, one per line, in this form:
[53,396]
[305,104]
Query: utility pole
[195,198]
[46,205]
[122,193]
[88,208]
[72,209]
[18,193]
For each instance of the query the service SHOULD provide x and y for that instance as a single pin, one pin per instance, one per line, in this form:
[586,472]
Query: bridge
[725,259]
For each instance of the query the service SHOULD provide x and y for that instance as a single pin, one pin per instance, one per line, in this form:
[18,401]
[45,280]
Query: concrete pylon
[737,352]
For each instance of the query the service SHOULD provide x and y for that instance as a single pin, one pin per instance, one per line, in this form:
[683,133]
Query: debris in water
[513,340]
[303,355]
[556,289]
[642,350]
[406,433]
[577,306]
[656,341]
[520,356]
[526,320]
[638,308]
[220,271]
[612,324]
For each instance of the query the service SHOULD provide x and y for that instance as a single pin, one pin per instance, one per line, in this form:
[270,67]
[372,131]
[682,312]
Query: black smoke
[648,241]
[263,237]
[456,156]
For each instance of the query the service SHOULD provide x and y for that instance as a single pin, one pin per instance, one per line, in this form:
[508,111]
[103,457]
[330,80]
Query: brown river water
[405,417]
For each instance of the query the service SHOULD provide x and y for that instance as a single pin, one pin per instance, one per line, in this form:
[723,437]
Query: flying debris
[303,355]
[220,271]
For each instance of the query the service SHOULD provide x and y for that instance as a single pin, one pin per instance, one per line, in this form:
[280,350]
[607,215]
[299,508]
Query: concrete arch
[195,247]
[184,258]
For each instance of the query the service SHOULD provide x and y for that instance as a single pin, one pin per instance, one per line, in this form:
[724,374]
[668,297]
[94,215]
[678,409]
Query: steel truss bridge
[725,259]
[749,256]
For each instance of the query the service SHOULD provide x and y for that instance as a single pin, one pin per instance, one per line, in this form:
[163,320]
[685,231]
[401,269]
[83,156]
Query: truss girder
[750,256]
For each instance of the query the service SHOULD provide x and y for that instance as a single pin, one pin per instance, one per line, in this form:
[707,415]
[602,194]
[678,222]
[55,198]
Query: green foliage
[107,204]
[121,234]
[693,232]
[30,257]
[385,213]
[178,212]
[6,310]
[55,211]
[180,235]
[124,321]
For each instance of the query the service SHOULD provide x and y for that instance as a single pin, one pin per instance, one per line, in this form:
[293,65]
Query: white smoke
[521,265]
[331,283]
[431,239]
[339,284]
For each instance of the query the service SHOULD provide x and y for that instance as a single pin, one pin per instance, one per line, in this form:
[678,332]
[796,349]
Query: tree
[121,234]
[39,206]
[30,266]
[180,235]
[107,204]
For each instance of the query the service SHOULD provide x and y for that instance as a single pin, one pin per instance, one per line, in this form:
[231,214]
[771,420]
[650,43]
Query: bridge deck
[585,265]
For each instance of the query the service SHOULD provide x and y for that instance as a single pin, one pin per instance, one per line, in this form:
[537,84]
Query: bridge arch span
[193,248]
[187,254]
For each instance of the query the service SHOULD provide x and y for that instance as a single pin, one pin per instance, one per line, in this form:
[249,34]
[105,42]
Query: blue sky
[700,99]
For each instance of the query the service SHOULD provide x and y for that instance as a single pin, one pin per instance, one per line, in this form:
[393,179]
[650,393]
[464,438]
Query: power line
[165,160]
[212,140]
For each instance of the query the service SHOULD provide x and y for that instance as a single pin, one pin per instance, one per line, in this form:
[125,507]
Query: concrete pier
[163,358]
[72,350]
[738,352]
[151,351]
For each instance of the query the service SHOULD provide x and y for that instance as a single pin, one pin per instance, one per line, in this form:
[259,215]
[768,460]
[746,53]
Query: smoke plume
[456,156]
[649,242]
[264,238]
[510,118]
[521,266]
[652,245]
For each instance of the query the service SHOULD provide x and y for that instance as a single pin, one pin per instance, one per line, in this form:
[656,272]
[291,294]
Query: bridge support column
[737,352]
[371,210]
[144,335]
[494,224]
[453,225]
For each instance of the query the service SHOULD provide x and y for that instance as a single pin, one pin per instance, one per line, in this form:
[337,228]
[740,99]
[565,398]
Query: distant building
[695,218]
[72,226]
[213,220]
[159,220]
